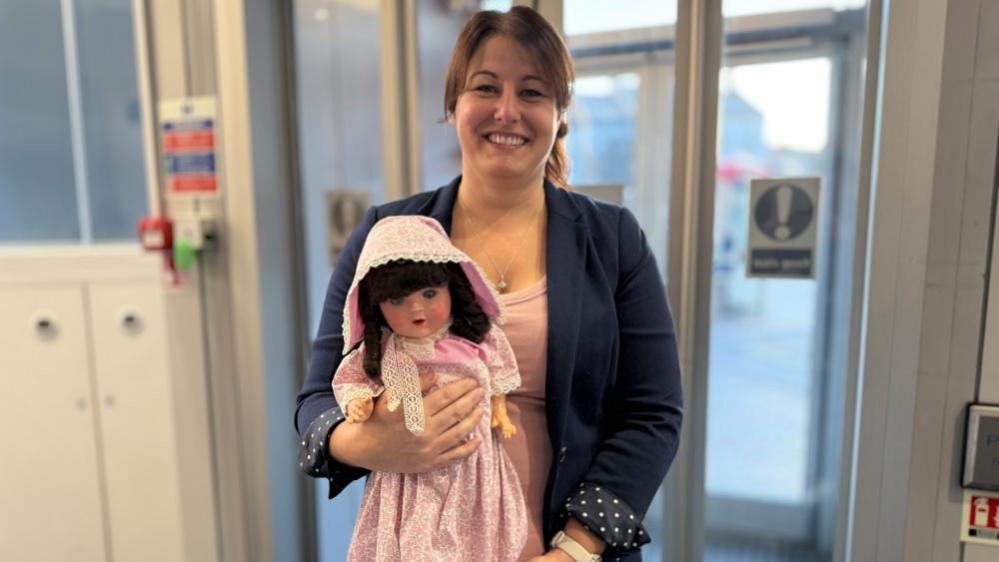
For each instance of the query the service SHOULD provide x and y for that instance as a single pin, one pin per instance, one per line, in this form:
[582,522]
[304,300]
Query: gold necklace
[501,286]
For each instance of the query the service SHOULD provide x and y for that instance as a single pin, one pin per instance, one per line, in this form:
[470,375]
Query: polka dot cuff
[313,453]
[606,516]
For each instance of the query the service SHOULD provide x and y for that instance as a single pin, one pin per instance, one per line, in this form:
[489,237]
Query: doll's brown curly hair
[399,278]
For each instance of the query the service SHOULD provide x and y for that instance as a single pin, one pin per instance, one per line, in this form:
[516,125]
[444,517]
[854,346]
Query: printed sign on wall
[981,453]
[344,210]
[980,518]
[782,228]
[187,135]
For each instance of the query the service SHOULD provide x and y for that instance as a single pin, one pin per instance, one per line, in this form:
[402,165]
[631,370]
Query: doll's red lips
[418,322]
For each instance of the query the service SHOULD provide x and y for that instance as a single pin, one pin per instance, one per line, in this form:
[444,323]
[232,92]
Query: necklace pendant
[501,286]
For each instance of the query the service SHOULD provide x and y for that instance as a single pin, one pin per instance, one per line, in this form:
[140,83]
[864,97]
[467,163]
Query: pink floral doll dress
[472,509]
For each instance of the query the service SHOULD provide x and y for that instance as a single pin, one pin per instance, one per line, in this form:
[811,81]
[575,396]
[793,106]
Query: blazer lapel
[439,207]
[566,259]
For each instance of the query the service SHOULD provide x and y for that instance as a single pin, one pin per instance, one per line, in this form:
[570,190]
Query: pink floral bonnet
[416,238]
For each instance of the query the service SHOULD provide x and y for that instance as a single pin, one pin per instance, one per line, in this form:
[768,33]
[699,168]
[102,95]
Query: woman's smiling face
[506,116]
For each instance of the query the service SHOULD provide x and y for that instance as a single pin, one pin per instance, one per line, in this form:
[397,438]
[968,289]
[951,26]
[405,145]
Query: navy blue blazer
[613,396]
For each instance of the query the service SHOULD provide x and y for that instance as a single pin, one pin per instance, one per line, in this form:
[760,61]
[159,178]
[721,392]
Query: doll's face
[419,314]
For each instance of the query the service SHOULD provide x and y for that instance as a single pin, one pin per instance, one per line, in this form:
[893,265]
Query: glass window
[339,120]
[338,88]
[619,139]
[437,30]
[71,166]
[112,123]
[496,5]
[583,17]
[749,7]
[604,128]
[37,190]
[620,122]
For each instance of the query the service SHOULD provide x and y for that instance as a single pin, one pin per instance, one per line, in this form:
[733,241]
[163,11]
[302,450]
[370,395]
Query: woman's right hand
[383,444]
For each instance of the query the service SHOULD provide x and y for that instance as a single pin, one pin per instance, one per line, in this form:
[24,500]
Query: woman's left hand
[553,555]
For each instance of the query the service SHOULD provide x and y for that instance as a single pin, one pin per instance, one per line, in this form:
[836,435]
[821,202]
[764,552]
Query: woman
[598,414]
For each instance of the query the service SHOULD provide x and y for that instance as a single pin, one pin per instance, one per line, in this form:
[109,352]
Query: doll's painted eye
[396,301]
[429,293]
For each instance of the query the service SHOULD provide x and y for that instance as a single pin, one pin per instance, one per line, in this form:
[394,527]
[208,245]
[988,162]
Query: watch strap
[576,551]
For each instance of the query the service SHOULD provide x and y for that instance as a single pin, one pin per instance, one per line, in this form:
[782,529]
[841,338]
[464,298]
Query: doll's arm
[353,387]
[504,376]
[500,418]
[359,409]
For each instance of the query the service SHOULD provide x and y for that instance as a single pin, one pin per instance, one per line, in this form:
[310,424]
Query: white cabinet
[90,462]
[127,325]
[51,482]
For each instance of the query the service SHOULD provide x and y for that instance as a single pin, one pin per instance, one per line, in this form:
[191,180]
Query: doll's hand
[359,409]
[500,417]
[506,427]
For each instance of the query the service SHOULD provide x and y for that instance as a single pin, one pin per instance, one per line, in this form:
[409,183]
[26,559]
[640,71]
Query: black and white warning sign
[782,228]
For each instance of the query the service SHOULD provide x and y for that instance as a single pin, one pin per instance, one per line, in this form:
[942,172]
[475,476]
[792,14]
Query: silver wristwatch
[568,545]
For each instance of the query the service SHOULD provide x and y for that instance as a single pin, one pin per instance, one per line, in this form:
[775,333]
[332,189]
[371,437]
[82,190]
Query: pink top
[530,450]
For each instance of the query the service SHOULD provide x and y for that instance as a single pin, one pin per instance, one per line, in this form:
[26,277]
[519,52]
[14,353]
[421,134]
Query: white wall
[987,85]
[933,181]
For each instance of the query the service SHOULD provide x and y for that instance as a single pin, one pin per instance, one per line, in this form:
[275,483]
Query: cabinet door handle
[130,319]
[44,324]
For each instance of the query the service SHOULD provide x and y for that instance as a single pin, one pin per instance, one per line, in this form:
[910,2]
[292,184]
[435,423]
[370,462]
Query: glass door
[766,334]
[789,95]
[788,89]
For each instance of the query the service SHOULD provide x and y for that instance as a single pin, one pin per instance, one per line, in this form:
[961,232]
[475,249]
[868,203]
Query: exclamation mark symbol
[784,195]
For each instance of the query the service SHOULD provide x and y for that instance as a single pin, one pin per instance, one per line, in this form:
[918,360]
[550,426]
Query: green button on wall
[183,255]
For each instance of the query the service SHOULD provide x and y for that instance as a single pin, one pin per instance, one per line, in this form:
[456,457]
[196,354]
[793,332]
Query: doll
[418,305]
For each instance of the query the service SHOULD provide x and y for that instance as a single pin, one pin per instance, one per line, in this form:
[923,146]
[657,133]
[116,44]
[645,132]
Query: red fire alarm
[980,518]
[156,233]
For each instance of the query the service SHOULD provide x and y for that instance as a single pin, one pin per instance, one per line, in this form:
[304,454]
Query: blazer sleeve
[644,409]
[318,413]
